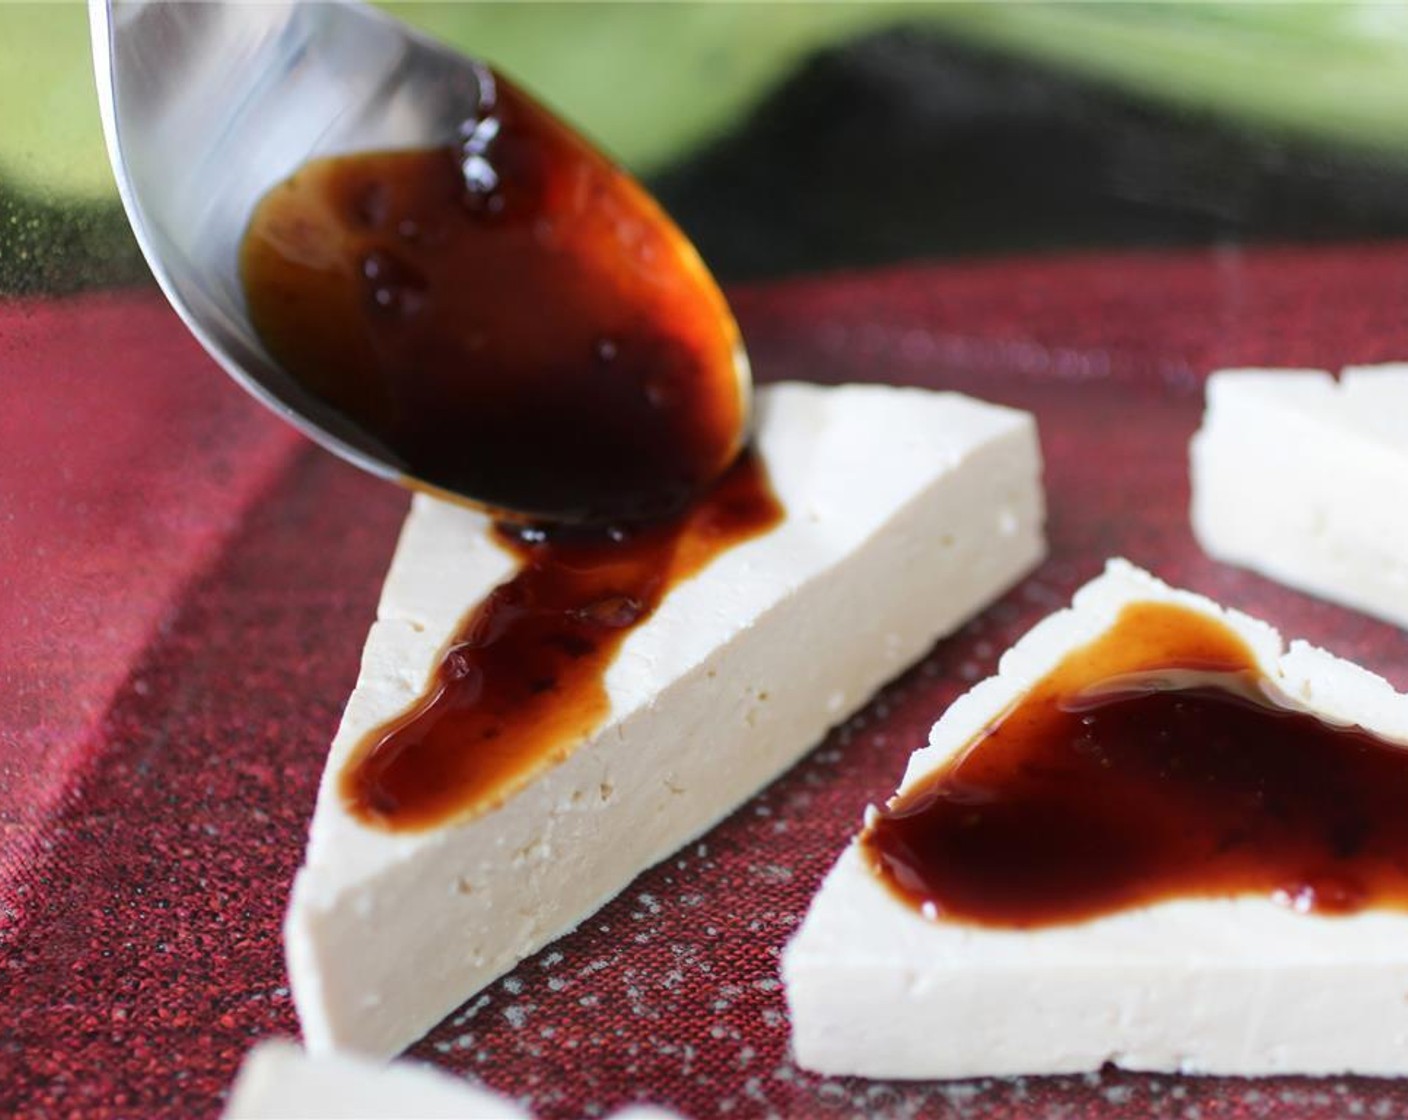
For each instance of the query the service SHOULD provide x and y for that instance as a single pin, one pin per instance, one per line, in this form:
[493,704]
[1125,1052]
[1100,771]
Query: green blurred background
[1174,121]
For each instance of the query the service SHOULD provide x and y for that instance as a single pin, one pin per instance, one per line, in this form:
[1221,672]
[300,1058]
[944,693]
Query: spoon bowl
[207,107]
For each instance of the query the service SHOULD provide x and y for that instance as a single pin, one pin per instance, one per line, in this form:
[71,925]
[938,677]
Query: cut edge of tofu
[1241,986]
[895,497]
[1293,473]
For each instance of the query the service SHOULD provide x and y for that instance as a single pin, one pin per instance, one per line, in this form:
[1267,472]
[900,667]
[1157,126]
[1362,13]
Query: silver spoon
[206,106]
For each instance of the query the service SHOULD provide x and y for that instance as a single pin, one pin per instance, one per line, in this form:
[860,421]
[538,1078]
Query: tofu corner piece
[1304,479]
[906,513]
[1240,986]
[278,1081]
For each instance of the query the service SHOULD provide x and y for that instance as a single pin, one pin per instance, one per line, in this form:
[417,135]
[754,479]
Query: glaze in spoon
[415,263]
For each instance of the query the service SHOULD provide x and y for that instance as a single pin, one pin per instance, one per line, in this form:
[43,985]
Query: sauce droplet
[1150,765]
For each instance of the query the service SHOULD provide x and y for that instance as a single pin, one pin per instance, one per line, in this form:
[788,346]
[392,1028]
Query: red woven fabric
[186,587]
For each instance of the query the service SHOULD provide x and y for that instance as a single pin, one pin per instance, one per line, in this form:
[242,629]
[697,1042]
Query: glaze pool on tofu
[1152,763]
[523,680]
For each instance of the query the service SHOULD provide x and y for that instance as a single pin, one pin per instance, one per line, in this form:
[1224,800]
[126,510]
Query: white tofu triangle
[279,1081]
[1304,478]
[907,512]
[1228,986]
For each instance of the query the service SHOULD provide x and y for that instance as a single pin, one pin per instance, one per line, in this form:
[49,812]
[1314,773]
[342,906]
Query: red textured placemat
[184,589]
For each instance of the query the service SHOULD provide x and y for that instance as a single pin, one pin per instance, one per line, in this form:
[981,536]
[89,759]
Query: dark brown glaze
[1151,764]
[512,317]
[522,683]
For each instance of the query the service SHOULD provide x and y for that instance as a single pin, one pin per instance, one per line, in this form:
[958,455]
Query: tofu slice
[907,512]
[1242,986]
[278,1081]
[1304,479]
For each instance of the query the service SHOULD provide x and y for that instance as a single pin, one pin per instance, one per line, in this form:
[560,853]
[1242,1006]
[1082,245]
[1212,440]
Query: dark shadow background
[903,147]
